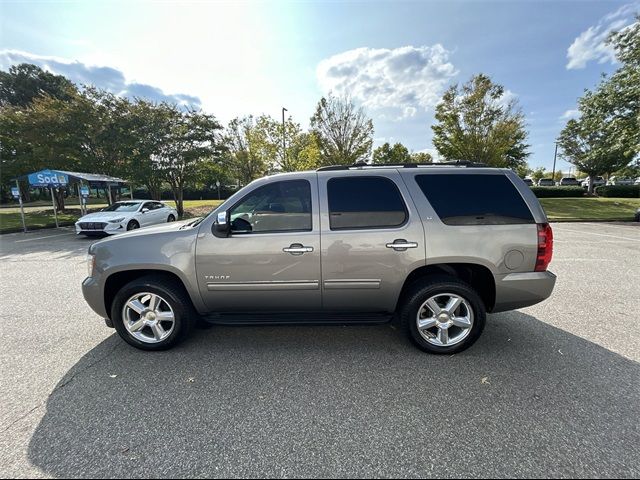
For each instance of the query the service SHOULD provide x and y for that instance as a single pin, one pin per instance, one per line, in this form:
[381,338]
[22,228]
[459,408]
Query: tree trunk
[155,191]
[24,189]
[592,178]
[59,197]
[178,195]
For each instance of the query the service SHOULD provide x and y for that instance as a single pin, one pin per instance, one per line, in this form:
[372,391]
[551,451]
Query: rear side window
[475,199]
[364,202]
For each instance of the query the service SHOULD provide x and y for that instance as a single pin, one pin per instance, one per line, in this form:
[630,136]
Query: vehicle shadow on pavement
[528,400]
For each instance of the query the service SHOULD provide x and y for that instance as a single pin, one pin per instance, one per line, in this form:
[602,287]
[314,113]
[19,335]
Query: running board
[299,318]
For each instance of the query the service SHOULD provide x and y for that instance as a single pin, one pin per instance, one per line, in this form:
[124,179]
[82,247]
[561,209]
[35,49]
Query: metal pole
[78,187]
[284,139]
[131,191]
[553,175]
[53,203]
[109,193]
[24,225]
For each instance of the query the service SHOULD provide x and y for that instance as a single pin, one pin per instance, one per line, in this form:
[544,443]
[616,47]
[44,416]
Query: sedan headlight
[116,220]
[91,263]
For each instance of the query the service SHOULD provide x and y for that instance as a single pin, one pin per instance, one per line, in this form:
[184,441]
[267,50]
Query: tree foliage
[386,153]
[23,83]
[476,122]
[343,132]
[193,138]
[421,157]
[606,135]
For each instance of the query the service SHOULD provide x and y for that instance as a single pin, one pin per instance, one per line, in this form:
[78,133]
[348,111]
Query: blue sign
[15,192]
[84,191]
[46,178]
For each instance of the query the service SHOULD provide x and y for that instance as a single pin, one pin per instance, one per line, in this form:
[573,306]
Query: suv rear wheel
[443,315]
[152,313]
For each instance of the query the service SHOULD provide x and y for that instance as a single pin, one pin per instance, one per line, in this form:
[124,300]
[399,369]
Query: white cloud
[591,44]
[107,78]
[405,79]
[569,114]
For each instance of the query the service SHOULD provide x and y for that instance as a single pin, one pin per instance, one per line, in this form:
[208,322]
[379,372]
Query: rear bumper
[518,290]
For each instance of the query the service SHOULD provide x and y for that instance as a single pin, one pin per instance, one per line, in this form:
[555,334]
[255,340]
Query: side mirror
[145,210]
[221,227]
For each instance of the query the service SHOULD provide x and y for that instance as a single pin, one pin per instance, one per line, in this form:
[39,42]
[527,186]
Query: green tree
[421,157]
[343,131]
[150,126]
[523,170]
[538,173]
[193,139]
[25,82]
[386,153]
[246,157]
[304,152]
[41,135]
[476,123]
[606,136]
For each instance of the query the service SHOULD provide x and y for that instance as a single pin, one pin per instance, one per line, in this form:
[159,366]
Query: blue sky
[394,58]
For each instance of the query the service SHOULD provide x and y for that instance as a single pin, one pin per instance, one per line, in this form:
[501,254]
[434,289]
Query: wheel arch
[116,280]
[478,276]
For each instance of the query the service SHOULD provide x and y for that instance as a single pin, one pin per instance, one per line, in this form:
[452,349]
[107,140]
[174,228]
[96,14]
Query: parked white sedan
[123,216]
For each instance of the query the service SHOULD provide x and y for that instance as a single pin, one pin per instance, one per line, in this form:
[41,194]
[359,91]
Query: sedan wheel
[132,225]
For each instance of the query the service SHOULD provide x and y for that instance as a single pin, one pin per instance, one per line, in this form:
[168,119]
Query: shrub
[619,191]
[555,192]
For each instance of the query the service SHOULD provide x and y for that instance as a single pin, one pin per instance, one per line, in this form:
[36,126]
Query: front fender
[169,250]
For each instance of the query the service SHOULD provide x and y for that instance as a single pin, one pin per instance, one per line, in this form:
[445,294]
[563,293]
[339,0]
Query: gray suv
[435,246]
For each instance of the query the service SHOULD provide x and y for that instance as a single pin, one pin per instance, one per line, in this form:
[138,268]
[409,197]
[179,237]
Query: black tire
[171,218]
[173,293]
[421,291]
[132,225]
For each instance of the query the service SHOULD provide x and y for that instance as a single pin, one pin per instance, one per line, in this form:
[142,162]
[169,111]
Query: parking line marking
[41,238]
[602,235]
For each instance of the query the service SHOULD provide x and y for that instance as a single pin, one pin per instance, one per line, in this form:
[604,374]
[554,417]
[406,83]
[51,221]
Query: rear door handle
[297,249]
[400,245]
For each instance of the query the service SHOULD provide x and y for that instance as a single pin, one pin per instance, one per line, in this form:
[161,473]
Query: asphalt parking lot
[548,391]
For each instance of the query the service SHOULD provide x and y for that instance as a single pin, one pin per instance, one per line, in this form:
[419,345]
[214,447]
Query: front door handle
[297,249]
[401,245]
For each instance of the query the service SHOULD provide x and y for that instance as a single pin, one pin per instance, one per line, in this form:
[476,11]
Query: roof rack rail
[459,163]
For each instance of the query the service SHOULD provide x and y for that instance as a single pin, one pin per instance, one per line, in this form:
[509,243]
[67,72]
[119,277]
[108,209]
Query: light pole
[553,174]
[284,141]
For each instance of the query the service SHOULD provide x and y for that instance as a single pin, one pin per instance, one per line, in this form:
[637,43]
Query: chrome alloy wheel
[148,317]
[445,319]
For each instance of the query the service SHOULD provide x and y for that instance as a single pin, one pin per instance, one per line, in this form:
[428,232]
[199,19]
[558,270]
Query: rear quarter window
[365,203]
[464,199]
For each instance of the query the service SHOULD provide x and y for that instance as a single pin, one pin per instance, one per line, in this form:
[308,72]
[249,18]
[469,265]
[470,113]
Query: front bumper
[94,296]
[518,290]
[108,229]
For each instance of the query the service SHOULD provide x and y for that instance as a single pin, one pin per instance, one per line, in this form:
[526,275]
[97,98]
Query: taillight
[545,247]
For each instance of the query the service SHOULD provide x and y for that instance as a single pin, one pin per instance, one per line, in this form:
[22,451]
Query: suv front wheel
[443,315]
[152,313]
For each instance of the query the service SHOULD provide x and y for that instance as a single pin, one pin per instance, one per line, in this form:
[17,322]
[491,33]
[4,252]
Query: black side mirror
[221,226]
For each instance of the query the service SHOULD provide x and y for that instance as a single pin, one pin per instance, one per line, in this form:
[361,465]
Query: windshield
[123,207]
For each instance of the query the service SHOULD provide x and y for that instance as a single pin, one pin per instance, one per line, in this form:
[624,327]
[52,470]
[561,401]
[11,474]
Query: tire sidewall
[181,326]
[420,295]
[130,225]
[171,218]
